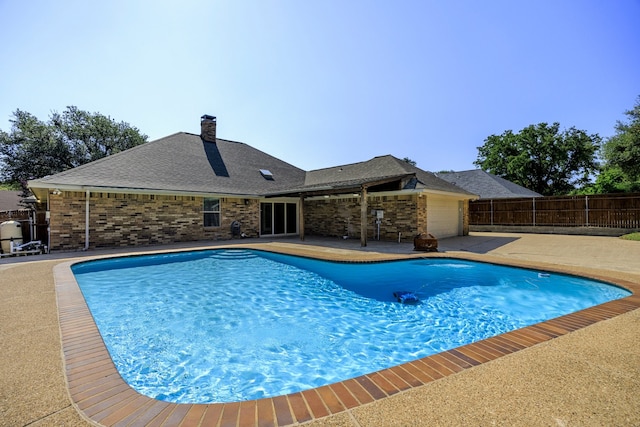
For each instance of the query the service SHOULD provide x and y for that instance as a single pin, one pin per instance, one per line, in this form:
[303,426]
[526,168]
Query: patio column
[363,216]
[86,221]
[301,215]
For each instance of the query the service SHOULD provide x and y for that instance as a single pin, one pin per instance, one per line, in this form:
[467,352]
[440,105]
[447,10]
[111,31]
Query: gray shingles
[183,162]
[380,167]
[10,200]
[486,185]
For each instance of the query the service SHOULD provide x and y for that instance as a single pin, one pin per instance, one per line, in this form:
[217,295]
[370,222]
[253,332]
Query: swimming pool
[230,325]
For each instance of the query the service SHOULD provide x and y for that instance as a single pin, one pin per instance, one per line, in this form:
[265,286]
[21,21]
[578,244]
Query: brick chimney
[208,128]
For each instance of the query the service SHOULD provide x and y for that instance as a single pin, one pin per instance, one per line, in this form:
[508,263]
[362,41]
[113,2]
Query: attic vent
[266,173]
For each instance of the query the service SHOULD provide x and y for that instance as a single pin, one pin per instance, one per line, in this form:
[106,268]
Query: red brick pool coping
[101,395]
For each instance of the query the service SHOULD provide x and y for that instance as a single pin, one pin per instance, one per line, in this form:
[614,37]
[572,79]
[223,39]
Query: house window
[211,211]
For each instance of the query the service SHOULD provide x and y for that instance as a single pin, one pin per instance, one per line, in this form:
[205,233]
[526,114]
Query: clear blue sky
[323,83]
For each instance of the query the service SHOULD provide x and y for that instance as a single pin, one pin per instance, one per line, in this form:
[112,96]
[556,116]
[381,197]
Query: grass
[632,236]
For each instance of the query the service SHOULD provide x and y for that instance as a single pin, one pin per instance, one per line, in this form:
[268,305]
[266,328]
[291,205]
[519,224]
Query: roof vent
[266,173]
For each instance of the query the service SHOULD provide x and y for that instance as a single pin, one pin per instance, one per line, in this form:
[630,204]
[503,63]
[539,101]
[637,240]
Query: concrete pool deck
[586,377]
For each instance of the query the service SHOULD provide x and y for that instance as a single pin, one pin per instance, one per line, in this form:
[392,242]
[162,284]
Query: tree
[411,162]
[621,154]
[34,149]
[611,180]
[542,158]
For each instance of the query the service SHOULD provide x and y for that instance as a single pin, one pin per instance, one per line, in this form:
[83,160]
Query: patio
[587,377]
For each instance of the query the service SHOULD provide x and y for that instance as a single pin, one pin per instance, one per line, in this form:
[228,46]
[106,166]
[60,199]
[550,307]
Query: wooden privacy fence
[602,210]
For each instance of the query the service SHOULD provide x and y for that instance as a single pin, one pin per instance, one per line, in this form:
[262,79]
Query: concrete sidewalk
[590,377]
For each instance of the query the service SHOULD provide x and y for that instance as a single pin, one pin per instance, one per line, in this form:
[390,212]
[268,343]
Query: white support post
[86,222]
[363,217]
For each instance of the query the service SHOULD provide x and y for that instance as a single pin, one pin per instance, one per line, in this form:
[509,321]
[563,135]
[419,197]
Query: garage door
[443,216]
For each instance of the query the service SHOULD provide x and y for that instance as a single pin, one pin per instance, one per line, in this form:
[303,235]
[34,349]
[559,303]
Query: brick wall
[341,216]
[120,220]
[66,221]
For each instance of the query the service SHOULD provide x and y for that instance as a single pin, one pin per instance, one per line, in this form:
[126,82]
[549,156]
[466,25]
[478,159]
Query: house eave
[354,194]
[41,190]
[451,194]
[338,188]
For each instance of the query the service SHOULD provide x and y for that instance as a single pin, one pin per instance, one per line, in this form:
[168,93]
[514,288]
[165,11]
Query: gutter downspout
[48,219]
[86,221]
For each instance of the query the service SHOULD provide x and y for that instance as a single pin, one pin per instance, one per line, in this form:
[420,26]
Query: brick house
[187,187]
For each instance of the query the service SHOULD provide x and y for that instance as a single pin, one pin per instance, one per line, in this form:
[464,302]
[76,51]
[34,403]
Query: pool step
[233,255]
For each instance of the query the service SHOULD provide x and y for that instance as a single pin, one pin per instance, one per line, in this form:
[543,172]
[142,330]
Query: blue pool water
[232,325]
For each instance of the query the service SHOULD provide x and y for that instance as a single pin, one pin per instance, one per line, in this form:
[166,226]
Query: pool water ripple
[233,325]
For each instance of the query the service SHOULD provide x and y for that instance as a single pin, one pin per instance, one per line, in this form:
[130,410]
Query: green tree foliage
[611,180]
[411,162]
[34,149]
[542,158]
[9,187]
[621,154]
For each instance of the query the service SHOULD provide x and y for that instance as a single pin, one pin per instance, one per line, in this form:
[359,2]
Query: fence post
[586,206]
[534,211]
[491,211]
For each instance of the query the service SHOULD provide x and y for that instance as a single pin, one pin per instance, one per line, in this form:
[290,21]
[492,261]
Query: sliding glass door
[278,218]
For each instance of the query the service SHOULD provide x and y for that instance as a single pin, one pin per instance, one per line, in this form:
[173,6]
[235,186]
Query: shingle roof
[486,185]
[10,200]
[183,162]
[378,168]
